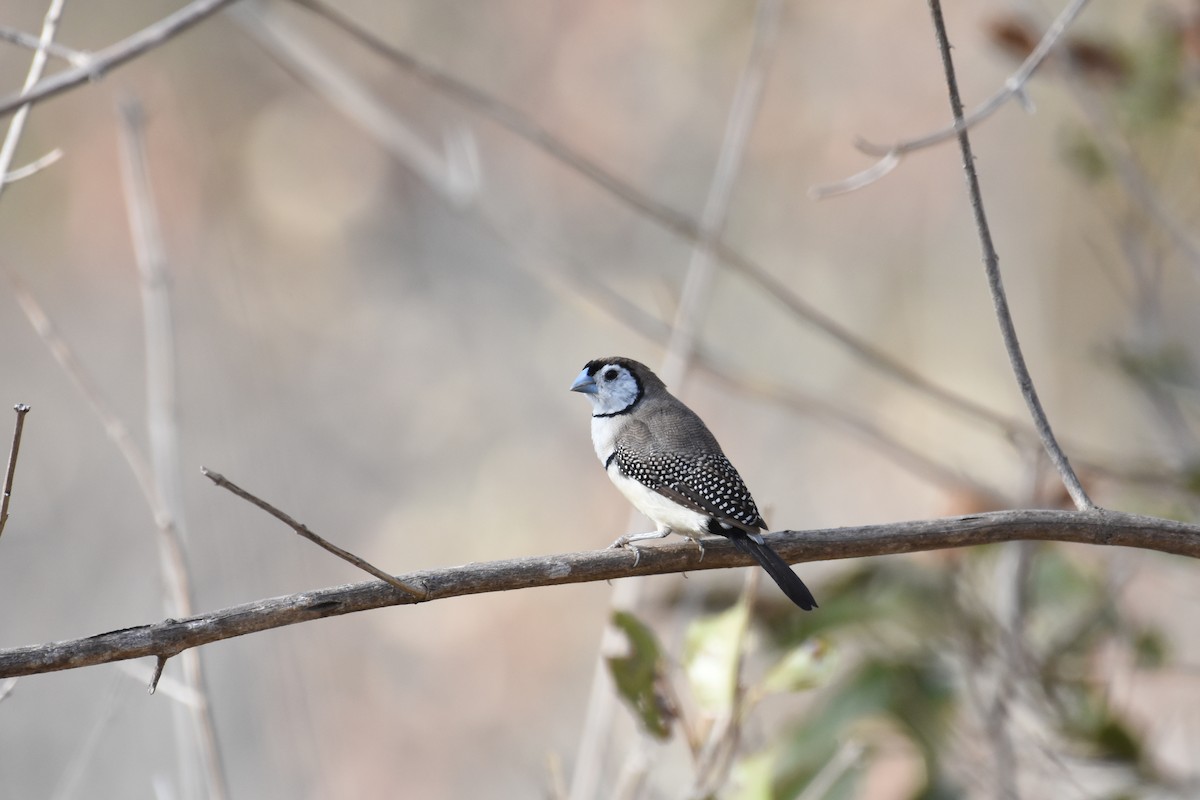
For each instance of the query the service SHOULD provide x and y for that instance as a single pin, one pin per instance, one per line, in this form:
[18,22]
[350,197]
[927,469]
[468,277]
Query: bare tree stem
[991,263]
[196,733]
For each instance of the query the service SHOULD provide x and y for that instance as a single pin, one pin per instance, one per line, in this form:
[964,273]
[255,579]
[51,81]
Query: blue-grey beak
[584,383]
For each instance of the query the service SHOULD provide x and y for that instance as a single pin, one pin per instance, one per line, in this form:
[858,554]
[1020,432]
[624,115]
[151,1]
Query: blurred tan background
[392,368]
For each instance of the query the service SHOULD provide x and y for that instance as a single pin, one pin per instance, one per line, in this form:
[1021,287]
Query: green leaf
[1117,741]
[1089,719]
[1149,648]
[803,667]
[712,651]
[1085,157]
[637,676]
[751,777]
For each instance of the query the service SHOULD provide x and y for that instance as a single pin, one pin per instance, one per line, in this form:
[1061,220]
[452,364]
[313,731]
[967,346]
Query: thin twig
[844,759]
[172,636]
[743,111]
[76,58]
[33,167]
[66,358]
[114,55]
[21,409]
[1014,87]
[70,775]
[194,723]
[413,590]
[453,172]
[37,65]
[522,125]
[991,263]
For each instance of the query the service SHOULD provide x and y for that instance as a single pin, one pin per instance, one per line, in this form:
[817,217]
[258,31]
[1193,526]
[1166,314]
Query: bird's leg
[695,539]
[627,541]
[628,538]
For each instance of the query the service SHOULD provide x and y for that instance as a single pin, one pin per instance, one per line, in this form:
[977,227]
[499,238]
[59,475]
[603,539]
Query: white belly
[664,512]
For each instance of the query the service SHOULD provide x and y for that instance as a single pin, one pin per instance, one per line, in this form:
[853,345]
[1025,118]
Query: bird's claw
[624,543]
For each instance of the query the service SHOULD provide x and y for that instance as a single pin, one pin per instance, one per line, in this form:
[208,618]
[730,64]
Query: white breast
[604,435]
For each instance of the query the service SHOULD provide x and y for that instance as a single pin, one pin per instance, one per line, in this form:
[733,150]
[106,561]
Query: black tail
[779,570]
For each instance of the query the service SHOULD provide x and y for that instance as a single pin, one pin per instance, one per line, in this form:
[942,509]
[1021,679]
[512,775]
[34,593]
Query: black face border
[593,368]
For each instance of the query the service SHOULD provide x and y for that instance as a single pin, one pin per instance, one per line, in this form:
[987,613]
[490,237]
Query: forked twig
[37,65]
[75,58]
[991,264]
[1014,87]
[417,592]
[114,55]
[32,168]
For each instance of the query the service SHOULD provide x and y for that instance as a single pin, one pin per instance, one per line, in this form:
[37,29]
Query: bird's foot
[626,542]
[700,544]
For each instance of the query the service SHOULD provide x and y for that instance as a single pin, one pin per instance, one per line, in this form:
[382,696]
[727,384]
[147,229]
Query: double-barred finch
[667,463]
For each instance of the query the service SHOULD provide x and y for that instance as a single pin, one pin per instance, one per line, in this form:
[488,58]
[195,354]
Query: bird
[665,461]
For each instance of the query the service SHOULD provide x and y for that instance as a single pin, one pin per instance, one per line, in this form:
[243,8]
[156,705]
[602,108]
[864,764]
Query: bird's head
[614,385]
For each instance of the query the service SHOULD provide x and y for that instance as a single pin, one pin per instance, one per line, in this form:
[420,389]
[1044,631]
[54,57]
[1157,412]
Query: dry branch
[303,530]
[22,409]
[1014,87]
[991,263]
[170,637]
[114,55]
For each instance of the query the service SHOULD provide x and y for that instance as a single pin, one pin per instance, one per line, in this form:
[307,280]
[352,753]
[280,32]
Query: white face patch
[616,390]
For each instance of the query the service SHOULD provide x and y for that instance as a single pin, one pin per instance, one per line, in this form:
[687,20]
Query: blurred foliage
[902,656]
[638,676]
[1154,93]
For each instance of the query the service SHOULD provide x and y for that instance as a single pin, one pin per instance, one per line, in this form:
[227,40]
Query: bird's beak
[584,383]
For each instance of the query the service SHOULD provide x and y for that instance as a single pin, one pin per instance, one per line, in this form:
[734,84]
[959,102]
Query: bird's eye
[610,374]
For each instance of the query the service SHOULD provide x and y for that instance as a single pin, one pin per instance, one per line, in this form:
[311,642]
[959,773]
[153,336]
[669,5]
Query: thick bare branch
[170,637]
